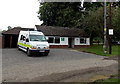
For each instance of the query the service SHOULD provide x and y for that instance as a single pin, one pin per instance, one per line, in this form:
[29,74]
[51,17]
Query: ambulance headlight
[46,47]
[33,47]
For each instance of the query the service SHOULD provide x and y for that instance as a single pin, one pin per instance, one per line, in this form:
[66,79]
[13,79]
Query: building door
[7,41]
[70,42]
[14,41]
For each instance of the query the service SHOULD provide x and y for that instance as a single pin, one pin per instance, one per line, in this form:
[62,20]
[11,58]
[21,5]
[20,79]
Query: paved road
[17,66]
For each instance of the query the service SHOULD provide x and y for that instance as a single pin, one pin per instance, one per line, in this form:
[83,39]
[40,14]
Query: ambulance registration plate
[41,51]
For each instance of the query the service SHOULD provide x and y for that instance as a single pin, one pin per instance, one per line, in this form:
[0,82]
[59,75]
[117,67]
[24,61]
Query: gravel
[18,67]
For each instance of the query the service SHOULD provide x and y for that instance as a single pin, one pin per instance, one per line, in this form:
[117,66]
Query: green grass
[98,49]
[114,79]
[108,81]
[111,80]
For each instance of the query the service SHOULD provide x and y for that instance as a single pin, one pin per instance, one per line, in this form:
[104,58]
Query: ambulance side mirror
[47,38]
[27,40]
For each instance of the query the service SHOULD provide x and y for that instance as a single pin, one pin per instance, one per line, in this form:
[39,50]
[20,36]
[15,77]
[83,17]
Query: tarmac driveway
[17,66]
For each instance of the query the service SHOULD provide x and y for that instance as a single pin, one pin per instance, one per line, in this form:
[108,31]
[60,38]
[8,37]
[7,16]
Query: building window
[54,40]
[51,40]
[57,39]
[83,40]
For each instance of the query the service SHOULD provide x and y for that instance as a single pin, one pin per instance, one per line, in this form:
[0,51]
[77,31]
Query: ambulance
[33,42]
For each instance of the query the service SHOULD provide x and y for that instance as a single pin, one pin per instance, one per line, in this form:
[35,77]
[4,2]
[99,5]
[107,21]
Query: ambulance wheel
[19,49]
[28,52]
[45,54]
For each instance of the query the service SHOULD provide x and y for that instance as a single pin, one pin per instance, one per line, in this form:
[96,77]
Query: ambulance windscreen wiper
[36,40]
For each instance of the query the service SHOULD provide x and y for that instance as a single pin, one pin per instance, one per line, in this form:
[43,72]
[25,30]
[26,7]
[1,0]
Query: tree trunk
[91,41]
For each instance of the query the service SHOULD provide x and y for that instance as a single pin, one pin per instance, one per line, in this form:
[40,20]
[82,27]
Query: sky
[21,13]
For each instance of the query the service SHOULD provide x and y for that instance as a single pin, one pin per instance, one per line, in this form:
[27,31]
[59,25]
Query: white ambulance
[33,42]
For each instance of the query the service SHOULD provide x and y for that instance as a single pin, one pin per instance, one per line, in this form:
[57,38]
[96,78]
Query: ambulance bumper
[39,51]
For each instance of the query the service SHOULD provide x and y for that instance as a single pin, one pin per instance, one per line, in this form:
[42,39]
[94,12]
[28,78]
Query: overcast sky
[19,13]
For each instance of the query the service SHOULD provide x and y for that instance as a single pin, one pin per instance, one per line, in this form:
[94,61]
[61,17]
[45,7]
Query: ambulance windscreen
[37,38]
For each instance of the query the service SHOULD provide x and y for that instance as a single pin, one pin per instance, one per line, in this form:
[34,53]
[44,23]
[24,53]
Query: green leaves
[116,23]
[60,14]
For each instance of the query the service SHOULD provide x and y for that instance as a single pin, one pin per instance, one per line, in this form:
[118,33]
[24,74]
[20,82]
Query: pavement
[18,67]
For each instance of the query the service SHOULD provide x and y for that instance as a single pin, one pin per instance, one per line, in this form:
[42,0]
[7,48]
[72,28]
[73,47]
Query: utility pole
[105,29]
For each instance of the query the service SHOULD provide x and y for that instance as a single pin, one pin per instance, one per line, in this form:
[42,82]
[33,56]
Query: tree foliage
[116,23]
[67,14]
[93,23]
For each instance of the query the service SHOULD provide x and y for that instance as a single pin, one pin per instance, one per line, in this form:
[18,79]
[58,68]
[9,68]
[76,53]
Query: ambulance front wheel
[28,52]
[45,54]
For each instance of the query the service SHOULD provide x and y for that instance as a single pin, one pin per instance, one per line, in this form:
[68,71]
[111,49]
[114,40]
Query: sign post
[110,40]
[110,28]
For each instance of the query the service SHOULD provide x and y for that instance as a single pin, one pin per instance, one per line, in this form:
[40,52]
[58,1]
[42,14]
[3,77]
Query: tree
[67,14]
[116,23]
[9,27]
[93,23]
[59,14]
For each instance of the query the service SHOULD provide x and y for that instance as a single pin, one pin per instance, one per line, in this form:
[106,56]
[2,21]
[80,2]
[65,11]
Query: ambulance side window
[21,38]
[27,40]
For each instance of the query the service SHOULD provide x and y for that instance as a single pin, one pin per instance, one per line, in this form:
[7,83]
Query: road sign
[110,31]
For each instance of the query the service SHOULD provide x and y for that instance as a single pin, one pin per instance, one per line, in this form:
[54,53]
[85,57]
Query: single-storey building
[58,37]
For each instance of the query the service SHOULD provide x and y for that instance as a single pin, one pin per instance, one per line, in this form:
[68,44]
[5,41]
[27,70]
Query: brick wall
[58,46]
[66,46]
[80,46]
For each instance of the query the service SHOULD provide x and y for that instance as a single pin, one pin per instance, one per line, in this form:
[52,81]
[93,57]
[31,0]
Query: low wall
[58,46]
[66,46]
[80,46]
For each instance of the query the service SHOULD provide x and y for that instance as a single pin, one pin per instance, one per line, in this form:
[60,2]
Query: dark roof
[15,30]
[60,31]
[50,31]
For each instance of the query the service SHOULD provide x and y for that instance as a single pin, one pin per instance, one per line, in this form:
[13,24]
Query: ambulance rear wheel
[18,47]
[28,52]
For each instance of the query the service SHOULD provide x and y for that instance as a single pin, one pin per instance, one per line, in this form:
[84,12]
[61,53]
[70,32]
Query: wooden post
[110,26]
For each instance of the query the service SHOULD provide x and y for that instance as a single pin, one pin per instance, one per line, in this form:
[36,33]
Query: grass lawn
[109,81]
[98,49]
[114,79]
